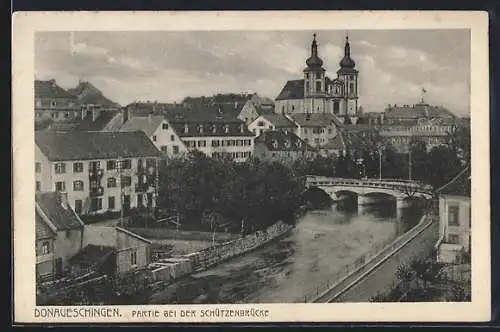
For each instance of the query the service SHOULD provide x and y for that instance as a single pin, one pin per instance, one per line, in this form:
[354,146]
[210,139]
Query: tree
[404,274]
[443,165]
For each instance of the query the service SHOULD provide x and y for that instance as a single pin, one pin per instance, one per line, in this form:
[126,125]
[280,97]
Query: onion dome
[347,61]
[314,61]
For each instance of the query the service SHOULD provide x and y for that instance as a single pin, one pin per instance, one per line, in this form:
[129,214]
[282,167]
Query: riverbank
[168,270]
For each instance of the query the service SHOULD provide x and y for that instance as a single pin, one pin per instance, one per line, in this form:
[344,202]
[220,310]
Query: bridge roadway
[378,274]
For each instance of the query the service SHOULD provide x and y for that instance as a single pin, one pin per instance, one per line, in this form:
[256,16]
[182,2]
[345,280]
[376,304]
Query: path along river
[323,243]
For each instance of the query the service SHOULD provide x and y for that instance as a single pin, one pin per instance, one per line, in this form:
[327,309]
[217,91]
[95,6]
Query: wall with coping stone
[177,266]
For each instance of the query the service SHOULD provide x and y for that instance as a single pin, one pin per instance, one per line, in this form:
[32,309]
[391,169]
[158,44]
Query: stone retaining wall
[173,268]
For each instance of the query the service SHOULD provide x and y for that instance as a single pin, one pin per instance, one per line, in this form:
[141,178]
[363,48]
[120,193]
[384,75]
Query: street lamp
[380,163]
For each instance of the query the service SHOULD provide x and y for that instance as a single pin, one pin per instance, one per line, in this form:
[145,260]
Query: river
[322,245]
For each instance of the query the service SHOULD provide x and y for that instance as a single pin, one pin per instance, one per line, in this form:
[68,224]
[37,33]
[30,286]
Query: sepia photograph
[243,166]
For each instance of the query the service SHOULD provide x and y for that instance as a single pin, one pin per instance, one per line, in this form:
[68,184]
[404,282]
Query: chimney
[62,198]
[52,82]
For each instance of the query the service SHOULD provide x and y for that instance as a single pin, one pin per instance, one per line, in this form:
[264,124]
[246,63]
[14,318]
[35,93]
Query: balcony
[95,192]
[95,173]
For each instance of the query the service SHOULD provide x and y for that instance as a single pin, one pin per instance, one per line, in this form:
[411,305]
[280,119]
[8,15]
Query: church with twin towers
[317,93]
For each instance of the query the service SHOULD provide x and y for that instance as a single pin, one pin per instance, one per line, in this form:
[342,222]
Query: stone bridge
[369,191]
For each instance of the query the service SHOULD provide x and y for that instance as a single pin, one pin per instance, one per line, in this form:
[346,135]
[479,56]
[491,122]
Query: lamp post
[380,163]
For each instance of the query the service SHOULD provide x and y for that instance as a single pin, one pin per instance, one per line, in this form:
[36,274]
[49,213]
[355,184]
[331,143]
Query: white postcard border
[25,24]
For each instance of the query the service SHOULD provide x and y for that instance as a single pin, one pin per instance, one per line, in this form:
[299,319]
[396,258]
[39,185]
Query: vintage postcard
[251,167]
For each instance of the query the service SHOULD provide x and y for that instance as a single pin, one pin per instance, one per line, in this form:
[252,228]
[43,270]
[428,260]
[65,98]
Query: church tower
[314,82]
[348,75]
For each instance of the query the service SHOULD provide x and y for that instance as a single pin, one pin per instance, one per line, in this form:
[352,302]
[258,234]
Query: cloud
[367,44]
[168,66]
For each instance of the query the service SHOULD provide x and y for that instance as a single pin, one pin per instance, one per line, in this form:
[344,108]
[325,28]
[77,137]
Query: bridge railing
[363,261]
[402,185]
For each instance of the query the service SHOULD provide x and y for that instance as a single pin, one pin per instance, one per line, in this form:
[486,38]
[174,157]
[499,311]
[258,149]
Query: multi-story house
[59,234]
[65,245]
[317,129]
[213,132]
[273,121]
[455,218]
[99,171]
[159,131]
[255,108]
[55,104]
[284,147]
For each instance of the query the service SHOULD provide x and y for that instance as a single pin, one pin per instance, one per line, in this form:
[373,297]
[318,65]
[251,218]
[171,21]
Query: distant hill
[87,93]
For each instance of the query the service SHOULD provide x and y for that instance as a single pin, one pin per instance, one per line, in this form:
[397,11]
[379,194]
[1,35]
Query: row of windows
[59,114]
[53,103]
[213,128]
[79,185]
[175,149]
[318,130]
[232,155]
[288,153]
[96,203]
[60,168]
[232,142]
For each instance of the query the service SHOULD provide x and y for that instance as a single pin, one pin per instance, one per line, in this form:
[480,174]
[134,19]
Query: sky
[166,66]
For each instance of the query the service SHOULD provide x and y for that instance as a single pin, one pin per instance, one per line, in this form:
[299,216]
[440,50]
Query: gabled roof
[279,120]
[59,213]
[80,145]
[49,89]
[206,118]
[293,89]
[148,124]
[315,119]
[42,230]
[91,255]
[460,185]
[277,140]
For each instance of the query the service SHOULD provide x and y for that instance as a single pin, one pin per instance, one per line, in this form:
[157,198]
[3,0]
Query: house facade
[119,248]
[283,147]
[55,103]
[159,131]
[455,218]
[317,130]
[65,246]
[213,132]
[253,109]
[99,171]
[59,234]
[271,122]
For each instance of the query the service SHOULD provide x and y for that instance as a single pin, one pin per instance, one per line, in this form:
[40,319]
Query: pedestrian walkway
[389,254]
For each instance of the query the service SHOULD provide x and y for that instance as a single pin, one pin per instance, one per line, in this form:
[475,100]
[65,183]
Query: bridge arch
[317,196]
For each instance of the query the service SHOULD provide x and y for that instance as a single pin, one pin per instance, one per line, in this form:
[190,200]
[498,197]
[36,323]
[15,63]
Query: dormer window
[287,144]
[53,103]
[186,129]
[242,128]
[200,129]
[298,143]
[275,144]
[214,129]
[226,129]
